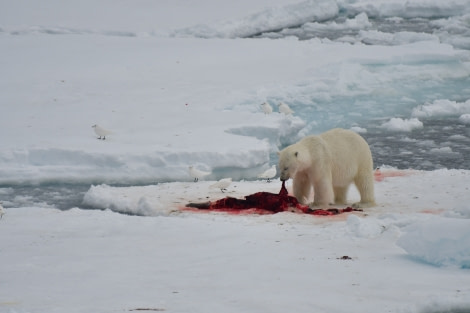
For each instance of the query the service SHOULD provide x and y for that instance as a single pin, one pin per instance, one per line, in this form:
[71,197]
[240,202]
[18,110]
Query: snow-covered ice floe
[180,84]
[411,202]
[439,241]
[408,253]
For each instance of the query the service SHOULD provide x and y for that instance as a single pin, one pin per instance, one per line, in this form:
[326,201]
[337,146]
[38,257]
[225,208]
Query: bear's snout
[284,176]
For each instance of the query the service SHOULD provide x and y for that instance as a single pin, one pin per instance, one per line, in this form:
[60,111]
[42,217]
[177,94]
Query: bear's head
[292,159]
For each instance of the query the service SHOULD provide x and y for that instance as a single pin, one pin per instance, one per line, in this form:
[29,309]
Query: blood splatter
[381,175]
[265,203]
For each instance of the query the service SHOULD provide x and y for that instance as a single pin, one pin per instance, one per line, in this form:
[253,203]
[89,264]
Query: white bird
[268,174]
[222,184]
[196,174]
[284,108]
[2,211]
[266,107]
[100,131]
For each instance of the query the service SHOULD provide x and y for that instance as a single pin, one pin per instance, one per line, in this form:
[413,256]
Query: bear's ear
[296,154]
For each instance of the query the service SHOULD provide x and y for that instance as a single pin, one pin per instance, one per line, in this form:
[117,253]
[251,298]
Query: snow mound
[406,9]
[461,210]
[359,130]
[399,124]
[442,108]
[364,228]
[374,37]
[443,150]
[271,19]
[439,241]
[464,119]
[129,200]
[360,21]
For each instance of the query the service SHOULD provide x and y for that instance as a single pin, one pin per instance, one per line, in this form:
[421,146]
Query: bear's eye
[286,168]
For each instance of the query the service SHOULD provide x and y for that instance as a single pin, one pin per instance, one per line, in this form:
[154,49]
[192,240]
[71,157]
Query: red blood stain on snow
[381,175]
[432,211]
[264,203]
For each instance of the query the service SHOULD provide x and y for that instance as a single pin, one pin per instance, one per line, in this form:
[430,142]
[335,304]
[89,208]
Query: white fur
[329,163]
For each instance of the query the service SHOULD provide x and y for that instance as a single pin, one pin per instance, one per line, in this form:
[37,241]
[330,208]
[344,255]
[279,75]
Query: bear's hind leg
[365,186]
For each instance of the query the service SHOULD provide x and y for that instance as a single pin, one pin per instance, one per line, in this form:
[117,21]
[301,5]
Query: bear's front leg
[302,187]
[324,195]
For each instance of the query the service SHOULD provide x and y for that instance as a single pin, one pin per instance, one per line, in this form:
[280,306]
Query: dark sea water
[441,143]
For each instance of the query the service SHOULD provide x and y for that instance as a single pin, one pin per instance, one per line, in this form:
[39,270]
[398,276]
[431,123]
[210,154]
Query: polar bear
[329,162]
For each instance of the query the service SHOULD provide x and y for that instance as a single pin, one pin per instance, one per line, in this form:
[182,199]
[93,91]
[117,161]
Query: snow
[439,242]
[82,260]
[442,108]
[407,9]
[358,129]
[375,37]
[180,84]
[156,118]
[360,21]
[465,118]
[399,124]
[274,18]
